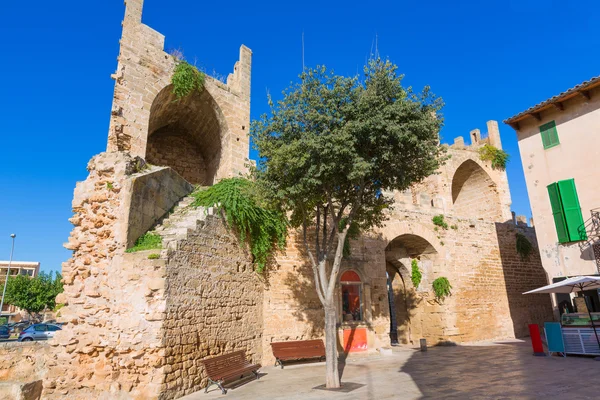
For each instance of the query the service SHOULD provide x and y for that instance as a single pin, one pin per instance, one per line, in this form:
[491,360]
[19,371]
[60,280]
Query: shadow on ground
[506,371]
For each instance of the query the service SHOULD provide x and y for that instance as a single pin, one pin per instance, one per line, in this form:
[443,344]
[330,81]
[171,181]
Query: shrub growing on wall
[498,157]
[415,273]
[524,246]
[441,288]
[262,229]
[186,78]
[439,220]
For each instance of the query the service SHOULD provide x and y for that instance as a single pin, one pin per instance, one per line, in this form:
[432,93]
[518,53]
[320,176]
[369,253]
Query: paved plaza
[481,371]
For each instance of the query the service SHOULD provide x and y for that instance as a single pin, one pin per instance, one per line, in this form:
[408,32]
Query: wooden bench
[298,350]
[227,367]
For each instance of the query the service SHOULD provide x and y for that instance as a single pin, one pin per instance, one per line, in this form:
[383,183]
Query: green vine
[441,288]
[415,273]
[353,234]
[186,78]
[261,229]
[439,220]
[498,157]
[524,246]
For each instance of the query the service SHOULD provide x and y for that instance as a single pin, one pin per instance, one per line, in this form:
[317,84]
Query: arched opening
[402,295]
[185,134]
[352,292]
[474,193]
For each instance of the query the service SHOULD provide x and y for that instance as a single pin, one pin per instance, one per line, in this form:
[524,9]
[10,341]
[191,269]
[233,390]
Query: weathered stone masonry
[137,328]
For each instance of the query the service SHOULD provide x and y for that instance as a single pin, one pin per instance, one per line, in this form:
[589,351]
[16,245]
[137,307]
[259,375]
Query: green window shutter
[549,135]
[572,210]
[557,212]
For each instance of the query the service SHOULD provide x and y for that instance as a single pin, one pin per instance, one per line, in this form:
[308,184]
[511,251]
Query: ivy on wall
[498,157]
[415,273]
[441,288]
[439,220]
[523,246]
[186,78]
[262,230]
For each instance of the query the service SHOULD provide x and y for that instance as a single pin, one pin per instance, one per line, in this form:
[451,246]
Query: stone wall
[214,122]
[110,345]
[148,196]
[214,305]
[22,367]
[179,153]
[476,253]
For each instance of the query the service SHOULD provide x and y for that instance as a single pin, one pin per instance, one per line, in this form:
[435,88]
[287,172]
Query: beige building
[559,140]
[26,268]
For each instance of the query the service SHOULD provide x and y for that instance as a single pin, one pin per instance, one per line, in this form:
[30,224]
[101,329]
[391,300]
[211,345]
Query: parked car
[4,332]
[18,327]
[39,332]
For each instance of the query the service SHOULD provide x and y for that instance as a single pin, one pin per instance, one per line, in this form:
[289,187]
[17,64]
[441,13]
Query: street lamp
[13,236]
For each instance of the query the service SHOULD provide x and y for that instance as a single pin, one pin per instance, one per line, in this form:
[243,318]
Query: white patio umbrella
[570,285]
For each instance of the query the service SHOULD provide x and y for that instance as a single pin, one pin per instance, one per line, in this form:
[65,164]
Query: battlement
[203,136]
[492,137]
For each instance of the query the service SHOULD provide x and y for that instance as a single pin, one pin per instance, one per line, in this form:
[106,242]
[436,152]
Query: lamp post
[13,236]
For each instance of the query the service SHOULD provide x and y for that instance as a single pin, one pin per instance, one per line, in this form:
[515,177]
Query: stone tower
[204,136]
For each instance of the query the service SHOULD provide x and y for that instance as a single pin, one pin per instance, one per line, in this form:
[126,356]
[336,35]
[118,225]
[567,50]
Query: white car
[39,332]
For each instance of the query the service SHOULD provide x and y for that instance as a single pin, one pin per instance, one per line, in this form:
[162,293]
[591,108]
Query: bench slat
[297,350]
[228,366]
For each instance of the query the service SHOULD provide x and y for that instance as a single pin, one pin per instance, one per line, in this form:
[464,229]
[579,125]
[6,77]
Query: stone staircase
[178,223]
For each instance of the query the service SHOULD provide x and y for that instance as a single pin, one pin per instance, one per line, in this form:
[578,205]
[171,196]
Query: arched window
[351,296]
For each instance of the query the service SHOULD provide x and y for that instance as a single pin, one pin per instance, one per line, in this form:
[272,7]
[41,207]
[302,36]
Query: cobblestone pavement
[505,370]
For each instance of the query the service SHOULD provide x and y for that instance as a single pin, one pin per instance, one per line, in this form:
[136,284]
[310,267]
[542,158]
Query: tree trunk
[331,355]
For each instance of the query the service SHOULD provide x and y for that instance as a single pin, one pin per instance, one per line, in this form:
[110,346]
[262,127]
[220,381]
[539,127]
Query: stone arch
[402,295]
[187,135]
[474,193]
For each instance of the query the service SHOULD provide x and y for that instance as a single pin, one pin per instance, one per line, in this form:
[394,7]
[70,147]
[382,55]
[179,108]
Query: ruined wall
[214,122]
[148,196]
[110,345]
[22,367]
[214,305]
[180,154]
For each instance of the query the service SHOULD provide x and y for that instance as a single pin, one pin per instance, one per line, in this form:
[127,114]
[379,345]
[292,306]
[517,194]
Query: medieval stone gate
[137,327]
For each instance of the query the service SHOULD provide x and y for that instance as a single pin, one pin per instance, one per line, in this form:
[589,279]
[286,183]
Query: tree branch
[318,285]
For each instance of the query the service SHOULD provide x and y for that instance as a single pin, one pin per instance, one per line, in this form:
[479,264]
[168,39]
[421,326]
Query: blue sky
[488,60]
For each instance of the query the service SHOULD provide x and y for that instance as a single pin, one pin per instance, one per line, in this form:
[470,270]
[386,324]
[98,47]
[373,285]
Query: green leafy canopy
[34,294]
[263,229]
[340,142]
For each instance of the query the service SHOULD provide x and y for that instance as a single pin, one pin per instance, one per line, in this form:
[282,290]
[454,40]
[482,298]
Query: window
[566,211]
[53,328]
[40,328]
[351,296]
[549,135]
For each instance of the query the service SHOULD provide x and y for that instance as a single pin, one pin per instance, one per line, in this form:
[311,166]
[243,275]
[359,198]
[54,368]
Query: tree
[331,149]
[34,294]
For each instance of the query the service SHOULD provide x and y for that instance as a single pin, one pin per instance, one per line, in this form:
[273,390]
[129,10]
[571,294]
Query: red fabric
[536,339]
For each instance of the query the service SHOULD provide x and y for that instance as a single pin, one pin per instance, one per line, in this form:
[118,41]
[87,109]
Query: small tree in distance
[330,150]
[34,294]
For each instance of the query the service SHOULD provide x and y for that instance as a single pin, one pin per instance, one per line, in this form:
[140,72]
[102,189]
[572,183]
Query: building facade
[559,144]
